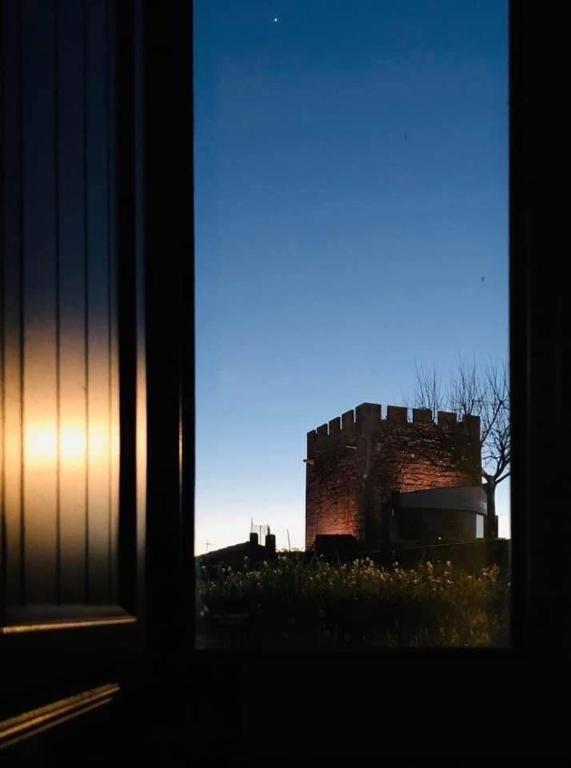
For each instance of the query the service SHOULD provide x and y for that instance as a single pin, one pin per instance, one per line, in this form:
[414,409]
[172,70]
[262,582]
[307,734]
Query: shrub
[290,602]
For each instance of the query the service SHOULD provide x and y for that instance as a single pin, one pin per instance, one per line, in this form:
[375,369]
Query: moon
[276,19]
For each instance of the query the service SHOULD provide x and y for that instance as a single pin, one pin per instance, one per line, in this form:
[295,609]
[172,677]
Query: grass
[292,603]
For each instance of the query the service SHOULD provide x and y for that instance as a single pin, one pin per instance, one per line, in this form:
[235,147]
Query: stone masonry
[357,460]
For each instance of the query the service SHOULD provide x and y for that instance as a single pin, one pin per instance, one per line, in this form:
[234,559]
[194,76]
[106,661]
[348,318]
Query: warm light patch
[41,444]
[98,444]
[72,444]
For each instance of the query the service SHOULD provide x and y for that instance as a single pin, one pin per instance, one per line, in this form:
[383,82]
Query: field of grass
[290,603]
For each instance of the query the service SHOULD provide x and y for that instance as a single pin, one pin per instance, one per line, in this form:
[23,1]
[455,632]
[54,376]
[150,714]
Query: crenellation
[397,413]
[447,419]
[421,416]
[368,416]
[311,442]
[348,421]
[335,426]
[472,426]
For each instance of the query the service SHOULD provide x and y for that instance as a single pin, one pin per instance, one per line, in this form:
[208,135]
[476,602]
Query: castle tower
[356,461]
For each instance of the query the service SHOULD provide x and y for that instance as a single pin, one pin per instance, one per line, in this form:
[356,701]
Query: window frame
[336,720]
[252,705]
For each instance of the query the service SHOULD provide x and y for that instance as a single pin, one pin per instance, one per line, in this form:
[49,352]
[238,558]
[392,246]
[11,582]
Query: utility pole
[207,544]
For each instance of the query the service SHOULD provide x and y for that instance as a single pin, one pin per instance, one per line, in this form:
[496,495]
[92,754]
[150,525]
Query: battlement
[366,418]
[357,460]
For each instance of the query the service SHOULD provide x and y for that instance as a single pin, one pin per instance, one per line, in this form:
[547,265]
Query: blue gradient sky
[351,198]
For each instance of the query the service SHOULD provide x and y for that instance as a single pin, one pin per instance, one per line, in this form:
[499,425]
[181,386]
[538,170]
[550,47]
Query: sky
[351,220]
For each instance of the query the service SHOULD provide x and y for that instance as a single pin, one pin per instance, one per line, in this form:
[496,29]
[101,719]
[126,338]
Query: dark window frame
[245,705]
[456,686]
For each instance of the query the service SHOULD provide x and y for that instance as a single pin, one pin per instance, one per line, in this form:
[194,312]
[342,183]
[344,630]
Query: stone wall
[355,461]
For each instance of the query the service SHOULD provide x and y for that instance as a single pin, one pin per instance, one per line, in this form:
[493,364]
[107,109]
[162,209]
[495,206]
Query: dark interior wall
[60,403]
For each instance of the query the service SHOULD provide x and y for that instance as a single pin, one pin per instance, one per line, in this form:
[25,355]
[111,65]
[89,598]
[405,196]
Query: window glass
[351,204]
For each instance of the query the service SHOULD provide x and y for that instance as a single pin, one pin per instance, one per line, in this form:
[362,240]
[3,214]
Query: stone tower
[357,460]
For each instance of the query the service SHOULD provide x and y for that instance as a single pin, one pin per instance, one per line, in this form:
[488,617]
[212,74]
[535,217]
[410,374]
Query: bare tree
[429,393]
[483,393]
